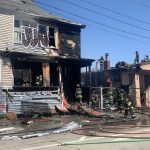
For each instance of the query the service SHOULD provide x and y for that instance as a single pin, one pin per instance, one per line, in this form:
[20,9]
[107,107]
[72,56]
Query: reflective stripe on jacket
[78,93]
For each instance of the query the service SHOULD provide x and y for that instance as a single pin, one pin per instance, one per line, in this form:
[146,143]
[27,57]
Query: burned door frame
[70,77]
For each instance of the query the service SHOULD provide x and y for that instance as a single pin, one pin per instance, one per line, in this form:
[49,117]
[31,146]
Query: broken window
[47,36]
[21,73]
[32,34]
[25,73]
[17,31]
[29,34]
[52,36]
[42,30]
[43,36]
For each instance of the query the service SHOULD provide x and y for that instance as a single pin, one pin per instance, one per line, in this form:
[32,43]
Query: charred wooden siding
[6,31]
[70,41]
[6,73]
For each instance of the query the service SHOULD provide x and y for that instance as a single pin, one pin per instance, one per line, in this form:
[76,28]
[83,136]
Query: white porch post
[137,90]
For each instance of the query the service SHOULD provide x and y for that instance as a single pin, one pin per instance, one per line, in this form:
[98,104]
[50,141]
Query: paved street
[54,142]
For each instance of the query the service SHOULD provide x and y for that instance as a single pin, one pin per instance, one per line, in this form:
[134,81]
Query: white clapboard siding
[7,75]
[6,31]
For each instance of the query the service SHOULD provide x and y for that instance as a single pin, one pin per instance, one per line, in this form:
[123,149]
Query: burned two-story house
[39,53]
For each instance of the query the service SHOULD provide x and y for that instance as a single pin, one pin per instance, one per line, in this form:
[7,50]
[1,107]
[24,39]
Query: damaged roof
[30,8]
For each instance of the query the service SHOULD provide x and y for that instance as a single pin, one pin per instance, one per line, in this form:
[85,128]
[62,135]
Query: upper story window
[42,30]
[17,31]
[47,35]
[31,34]
[42,35]
[51,36]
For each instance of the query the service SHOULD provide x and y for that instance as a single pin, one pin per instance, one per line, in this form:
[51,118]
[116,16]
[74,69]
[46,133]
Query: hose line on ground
[108,142]
[102,132]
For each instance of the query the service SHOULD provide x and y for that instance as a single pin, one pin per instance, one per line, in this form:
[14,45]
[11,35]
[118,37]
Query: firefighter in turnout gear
[110,96]
[120,98]
[129,107]
[78,94]
[38,81]
[93,100]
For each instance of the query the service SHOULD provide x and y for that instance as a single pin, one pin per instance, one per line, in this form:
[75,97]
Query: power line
[106,30]
[90,20]
[116,12]
[144,5]
[125,36]
[133,39]
[95,12]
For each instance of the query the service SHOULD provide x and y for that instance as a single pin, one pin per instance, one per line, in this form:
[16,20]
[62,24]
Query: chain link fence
[105,97]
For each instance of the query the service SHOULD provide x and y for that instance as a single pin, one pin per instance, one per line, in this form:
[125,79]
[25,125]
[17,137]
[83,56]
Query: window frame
[18,31]
[52,36]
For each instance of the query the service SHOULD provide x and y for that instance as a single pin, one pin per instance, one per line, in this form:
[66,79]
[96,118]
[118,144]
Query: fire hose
[108,142]
[99,131]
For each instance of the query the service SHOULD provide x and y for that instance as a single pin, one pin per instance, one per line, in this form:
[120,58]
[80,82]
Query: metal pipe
[101,100]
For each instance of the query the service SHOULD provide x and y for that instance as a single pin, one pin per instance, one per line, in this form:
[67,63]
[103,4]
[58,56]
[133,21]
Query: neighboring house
[134,79]
[139,83]
[38,51]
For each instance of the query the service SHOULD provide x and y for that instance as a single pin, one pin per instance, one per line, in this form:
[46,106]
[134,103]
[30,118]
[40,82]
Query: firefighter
[78,94]
[129,107]
[110,96]
[120,98]
[38,81]
[93,100]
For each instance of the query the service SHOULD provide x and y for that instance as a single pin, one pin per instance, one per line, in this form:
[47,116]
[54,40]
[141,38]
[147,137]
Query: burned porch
[57,74]
[55,71]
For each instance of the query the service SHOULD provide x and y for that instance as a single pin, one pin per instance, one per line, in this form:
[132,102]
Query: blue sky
[96,40]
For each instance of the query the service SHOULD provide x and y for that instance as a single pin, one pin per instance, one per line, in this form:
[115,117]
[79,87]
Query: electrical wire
[116,12]
[133,39]
[93,21]
[95,12]
[108,31]
[144,5]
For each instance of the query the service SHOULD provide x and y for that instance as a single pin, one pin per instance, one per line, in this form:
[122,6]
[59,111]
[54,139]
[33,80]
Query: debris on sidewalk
[68,127]
[12,116]
[80,110]
[4,138]
[61,110]
[35,135]
[7,129]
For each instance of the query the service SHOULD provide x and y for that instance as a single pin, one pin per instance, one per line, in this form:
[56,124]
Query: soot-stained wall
[69,41]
